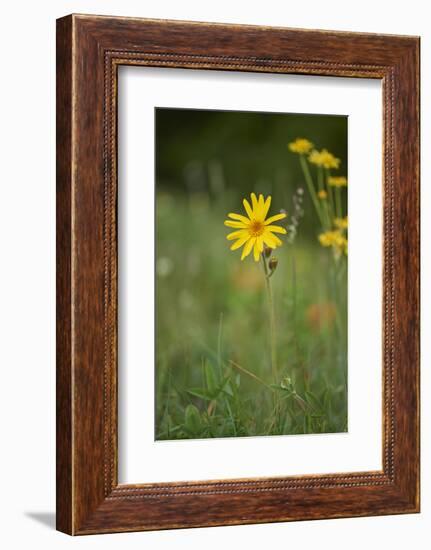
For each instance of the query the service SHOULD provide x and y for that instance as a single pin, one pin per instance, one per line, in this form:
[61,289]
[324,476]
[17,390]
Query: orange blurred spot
[322,315]
[247,279]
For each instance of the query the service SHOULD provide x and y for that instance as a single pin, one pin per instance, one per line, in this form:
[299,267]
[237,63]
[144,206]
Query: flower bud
[273,262]
[267,251]
[287,383]
[322,194]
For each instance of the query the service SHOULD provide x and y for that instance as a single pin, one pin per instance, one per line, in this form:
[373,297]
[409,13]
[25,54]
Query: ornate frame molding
[90,49]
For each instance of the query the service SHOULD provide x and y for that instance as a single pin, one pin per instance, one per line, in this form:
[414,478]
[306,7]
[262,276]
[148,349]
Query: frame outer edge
[81,506]
[64,368]
[407,273]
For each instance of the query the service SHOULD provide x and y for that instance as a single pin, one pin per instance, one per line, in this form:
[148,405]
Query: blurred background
[218,152]
[211,308]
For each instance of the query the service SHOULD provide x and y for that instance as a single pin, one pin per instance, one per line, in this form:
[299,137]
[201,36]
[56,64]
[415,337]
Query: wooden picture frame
[89,52]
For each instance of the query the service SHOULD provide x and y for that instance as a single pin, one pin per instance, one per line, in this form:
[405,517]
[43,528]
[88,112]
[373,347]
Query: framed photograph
[237,274]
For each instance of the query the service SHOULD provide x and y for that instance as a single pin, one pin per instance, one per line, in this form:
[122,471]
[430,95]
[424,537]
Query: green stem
[331,195]
[320,178]
[338,202]
[251,374]
[271,320]
[273,342]
[311,189]
[220,328]
[325,205]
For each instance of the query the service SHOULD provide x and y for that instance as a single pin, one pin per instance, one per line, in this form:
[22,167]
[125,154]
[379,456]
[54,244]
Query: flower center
[256,228]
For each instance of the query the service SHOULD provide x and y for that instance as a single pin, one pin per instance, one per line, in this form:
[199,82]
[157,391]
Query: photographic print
[251,274]
[204,206]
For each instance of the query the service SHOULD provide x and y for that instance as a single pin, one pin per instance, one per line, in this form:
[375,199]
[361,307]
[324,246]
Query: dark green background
[250,146]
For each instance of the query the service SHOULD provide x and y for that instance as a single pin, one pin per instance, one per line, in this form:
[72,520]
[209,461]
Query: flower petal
[239,217]
[240,242]
[268,239]
[256,252]
[254,203]
[275,218]
[275,239]
[237,234]
[238,225]
[266,206]
[276,229]
[248,208]
[247,248]
[261,200]
[259,242]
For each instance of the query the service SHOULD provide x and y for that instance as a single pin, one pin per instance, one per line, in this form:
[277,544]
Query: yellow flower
[335,239]
[324,158]
[328,238]
[322,194]
[301,146]
[255,229]
[341,223]
[337,181]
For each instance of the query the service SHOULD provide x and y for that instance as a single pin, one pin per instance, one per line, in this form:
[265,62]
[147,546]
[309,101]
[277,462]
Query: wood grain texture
[90,49]
[64,497]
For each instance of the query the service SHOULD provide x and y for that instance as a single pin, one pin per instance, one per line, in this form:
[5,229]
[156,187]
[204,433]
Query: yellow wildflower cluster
[301,146]
[341,223]
[337,181]
[326,194]
[335,239]
[324,158]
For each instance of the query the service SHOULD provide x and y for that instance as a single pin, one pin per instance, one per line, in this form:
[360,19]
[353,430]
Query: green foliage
[213,360]
[192,421]
[213,370]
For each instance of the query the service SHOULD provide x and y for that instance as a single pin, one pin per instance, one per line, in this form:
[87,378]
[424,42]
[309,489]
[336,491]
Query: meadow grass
[213,359]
